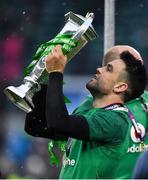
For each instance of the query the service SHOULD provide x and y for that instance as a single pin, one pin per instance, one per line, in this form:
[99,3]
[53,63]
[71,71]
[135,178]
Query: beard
[95,88]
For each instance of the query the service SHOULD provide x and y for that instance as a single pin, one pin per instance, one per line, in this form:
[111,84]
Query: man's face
[106,78]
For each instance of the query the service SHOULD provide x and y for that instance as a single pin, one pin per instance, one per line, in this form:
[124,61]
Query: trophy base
[18,97]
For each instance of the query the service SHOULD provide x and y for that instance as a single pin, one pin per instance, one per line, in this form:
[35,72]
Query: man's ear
[120,87]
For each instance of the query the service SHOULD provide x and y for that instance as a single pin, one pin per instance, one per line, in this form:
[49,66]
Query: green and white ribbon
[54,160]
[64,40]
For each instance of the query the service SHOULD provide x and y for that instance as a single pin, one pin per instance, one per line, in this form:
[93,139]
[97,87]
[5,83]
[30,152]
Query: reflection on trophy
[81,32]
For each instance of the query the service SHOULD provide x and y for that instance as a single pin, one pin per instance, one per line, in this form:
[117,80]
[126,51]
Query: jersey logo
[134,135]
[68,162]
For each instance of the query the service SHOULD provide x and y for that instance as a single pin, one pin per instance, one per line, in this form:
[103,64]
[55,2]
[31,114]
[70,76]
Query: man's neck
[106,100]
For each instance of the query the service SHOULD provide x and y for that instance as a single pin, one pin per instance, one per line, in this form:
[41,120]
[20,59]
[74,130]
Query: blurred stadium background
[24,25]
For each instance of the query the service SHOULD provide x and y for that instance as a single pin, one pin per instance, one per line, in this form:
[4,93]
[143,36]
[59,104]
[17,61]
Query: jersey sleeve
[108,126]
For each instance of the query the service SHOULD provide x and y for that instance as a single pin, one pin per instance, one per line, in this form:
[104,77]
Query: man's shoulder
[139,105]
[144,96]
[84,106]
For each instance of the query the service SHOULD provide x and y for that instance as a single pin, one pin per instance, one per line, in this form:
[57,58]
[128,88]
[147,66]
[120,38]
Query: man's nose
[99,70]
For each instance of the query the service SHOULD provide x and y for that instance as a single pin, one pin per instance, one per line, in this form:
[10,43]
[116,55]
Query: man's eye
[109,68]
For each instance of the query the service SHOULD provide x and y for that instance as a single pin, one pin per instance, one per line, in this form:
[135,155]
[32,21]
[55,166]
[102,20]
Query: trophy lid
[79,20]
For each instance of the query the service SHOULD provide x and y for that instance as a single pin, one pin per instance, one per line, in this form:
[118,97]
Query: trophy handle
[83,28]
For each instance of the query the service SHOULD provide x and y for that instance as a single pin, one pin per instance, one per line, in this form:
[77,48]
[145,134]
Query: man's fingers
[56,52]
[58,49]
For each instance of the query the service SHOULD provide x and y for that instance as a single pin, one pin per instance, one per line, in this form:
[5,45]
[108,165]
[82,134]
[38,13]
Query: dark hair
[136,76]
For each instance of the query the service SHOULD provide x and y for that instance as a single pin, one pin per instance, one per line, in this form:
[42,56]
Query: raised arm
[58,119]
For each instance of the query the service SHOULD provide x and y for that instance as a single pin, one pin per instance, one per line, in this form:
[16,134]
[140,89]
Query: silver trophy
[82,31]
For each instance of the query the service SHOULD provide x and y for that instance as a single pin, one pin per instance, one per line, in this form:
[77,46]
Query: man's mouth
[94,77]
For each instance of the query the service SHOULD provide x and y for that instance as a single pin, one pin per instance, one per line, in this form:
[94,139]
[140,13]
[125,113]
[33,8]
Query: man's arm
[58,120]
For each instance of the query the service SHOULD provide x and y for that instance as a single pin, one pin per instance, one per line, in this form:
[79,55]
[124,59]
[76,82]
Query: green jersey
[126,163]
[99,157]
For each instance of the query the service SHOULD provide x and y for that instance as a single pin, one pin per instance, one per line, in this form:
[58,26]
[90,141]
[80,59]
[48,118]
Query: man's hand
[56,60]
